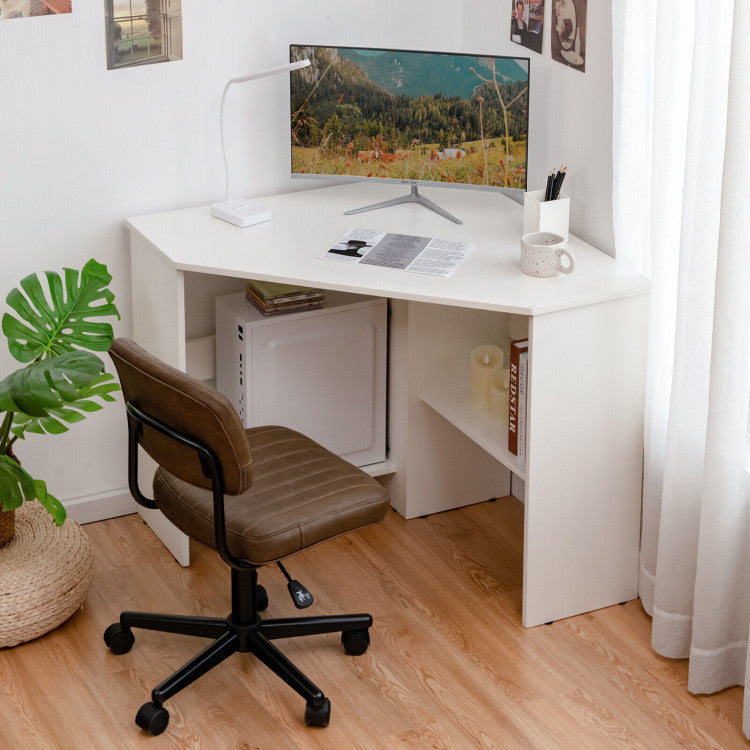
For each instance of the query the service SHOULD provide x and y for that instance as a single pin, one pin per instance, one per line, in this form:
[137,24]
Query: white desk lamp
[241,211]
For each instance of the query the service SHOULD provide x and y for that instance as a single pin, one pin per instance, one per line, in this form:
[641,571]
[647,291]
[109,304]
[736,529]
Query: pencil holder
[546,216]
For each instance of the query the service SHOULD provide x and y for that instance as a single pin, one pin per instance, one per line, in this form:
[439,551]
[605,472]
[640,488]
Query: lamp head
[270,72]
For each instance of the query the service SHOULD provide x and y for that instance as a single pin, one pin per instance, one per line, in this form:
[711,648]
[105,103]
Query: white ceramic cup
[542,254]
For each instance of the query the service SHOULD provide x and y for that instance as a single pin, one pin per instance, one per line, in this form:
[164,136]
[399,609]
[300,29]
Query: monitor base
[413,197]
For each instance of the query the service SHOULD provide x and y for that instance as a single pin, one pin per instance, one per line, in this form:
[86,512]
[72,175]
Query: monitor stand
[413,197]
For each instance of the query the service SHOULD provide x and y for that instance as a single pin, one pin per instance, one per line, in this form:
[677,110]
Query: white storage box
[321,372]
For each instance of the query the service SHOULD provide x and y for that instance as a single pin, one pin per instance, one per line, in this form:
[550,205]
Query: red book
[516,347]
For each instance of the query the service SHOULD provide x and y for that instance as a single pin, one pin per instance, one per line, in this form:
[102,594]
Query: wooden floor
[450,665]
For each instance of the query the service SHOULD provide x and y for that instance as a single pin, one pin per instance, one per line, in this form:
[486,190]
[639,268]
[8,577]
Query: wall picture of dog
[569,33]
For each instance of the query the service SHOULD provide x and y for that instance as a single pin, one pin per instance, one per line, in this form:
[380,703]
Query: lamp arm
[223,146]
[271,71]
[253,76]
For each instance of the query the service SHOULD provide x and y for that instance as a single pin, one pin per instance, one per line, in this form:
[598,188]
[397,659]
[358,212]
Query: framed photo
[29,8]
[141,32]
[527,23]
[569,33]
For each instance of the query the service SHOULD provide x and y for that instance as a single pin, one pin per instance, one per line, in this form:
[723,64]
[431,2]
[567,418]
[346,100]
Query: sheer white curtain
[682,216]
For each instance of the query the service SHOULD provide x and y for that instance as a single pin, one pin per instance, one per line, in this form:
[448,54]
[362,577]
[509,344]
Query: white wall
[570,115]
[83,148]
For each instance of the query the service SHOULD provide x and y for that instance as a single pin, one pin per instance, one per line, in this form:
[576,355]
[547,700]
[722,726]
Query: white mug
[542,253]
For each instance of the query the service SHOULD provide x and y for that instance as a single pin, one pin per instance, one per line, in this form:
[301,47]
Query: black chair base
[242,631]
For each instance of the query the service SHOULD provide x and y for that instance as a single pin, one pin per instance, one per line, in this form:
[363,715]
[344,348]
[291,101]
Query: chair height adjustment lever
[300,595]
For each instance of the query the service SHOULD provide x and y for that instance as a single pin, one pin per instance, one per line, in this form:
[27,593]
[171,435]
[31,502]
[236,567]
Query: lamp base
[241,213]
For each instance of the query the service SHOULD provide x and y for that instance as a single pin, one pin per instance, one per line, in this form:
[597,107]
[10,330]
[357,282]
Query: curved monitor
[411,117]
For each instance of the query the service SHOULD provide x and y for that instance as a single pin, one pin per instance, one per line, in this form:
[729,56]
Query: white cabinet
[321,372]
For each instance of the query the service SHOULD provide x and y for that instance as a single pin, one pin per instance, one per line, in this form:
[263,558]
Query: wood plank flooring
[450,665]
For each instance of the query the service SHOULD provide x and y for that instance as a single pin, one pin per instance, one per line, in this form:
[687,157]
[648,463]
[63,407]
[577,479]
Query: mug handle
[571,260]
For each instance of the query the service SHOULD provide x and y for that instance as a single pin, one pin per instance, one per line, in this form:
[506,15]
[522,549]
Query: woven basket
[7,526]
[45,574]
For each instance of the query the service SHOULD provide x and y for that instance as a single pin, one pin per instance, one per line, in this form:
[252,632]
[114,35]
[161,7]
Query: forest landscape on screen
[410,116]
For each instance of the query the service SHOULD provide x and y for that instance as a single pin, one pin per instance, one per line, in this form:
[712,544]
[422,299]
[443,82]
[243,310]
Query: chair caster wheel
[152,717]
[318,717]
[262,598]
[355,642]
[119,638]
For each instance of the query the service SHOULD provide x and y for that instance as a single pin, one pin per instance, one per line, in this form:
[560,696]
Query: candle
[499,396]
[486,361]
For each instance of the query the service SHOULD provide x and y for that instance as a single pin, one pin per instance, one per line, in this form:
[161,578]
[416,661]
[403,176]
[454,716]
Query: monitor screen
[406,116]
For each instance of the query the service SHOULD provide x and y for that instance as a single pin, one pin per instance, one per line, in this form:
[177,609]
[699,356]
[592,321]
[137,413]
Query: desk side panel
[397,400]
[159,327]
[584,459]
[158,302]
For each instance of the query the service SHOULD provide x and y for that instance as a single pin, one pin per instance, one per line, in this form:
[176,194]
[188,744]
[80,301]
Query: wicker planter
[45,574]
[7,526]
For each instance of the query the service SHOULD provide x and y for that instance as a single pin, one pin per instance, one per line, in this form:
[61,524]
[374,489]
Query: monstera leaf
[49,327]
[16,485]
[60,382]
[56,419]
[50,383]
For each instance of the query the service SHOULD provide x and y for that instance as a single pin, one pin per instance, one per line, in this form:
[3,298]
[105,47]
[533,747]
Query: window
[143,31]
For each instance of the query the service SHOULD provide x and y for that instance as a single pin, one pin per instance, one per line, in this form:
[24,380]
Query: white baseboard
[102,505]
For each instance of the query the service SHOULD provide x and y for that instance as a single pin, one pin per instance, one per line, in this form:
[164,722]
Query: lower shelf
[380,469]
[453,404]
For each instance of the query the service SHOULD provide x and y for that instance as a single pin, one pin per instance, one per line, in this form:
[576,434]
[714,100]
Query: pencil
[557,183]
[548,192]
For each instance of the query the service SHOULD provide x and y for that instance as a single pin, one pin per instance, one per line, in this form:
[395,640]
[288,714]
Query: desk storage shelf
[587,332]
[452,403]
[380,469]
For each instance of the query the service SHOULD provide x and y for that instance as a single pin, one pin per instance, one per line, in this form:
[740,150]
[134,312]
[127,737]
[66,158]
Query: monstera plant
[61,382]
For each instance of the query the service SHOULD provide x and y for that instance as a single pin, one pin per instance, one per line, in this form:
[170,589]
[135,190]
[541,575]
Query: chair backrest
[189,406]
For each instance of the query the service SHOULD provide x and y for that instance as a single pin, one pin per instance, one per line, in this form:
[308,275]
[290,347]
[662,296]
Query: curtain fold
[722,585]
[681,114]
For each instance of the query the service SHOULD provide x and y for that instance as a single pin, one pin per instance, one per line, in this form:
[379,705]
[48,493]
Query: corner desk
[583,465]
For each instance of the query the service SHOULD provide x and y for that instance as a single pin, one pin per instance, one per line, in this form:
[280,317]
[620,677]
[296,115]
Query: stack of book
[274,299]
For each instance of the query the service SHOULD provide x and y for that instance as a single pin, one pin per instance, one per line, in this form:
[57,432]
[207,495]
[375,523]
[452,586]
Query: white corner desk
[583,464]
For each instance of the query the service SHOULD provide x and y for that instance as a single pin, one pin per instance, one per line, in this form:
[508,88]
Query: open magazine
[401,251]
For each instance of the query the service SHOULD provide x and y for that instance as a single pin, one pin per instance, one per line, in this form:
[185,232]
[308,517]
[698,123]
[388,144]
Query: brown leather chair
[255,496]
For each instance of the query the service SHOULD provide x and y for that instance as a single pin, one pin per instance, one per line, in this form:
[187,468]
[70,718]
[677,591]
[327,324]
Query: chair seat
[301,494]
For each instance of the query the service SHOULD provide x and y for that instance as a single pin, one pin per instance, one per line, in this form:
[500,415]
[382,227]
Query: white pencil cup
[540,215]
